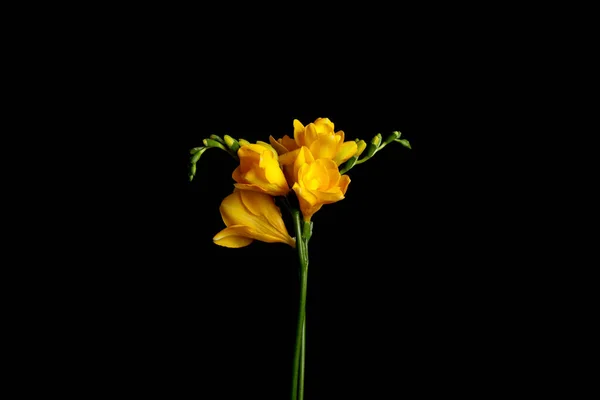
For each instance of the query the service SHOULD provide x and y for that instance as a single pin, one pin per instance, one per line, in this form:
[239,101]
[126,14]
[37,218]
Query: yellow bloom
[251,216]
[320,138]
[315,181]
[259,170]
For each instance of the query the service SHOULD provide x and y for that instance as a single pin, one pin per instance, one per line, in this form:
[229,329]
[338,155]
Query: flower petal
[289,143]
[345,151]
[267,146]
[289,157]
[324,147]
[258,213]
[263,206]
[343,183]
[277,146]
[310,134]
[304,157]
[230,237]
[299,133]
[324,125]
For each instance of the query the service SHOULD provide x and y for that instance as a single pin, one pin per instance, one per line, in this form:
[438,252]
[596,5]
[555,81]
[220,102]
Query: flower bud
[243,142]
[213,143]
[371,148]
[393,136]
[197,154]
[404,143]
[233,144]
[192,171]
[377,140]
[361,146]
[349,164]
[217,138]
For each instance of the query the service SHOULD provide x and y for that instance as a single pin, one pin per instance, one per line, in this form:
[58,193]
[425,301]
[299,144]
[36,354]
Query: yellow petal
[324,125]
[255,148]
[304,157]
[289,157]
[299,133]
[319,173]
[237,174]
[324,147]
[310,134]
[300,187]
[345,151]
[262,206]
[257,214]
[229,237]
[343,183]
[274,174]
[289,143]
[277,146]
[267,146]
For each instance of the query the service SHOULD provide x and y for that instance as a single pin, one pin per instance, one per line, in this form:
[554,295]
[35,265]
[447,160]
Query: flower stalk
[303,230]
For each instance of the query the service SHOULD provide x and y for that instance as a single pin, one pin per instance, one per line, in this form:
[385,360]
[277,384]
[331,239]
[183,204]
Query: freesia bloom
[259,170]
[250,216]
[320,138]
[315,181]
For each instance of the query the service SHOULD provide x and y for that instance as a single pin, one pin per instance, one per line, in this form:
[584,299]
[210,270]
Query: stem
[299,349]
[302,362]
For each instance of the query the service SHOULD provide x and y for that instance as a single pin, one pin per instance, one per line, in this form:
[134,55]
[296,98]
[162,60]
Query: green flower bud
[349,164]
[217,138]
[197,155]
[376,140]
[213,143]
[371,148]
[243,142]
[393,136]
[361,146]
[195,150]
[233,144]
[192,171]
[404,143]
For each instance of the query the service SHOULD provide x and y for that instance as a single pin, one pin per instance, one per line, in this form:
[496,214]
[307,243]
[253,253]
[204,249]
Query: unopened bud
[233,144]
[213,143]
[376,140]
[217,138]
[350,163]
[243,142]
[371,149]
[197,155]
[361,146]
[393,136]
[404,143]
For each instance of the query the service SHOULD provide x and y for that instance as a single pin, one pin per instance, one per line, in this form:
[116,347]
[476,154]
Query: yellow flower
[315,181]
[320,138]
[251,216]
[259,170]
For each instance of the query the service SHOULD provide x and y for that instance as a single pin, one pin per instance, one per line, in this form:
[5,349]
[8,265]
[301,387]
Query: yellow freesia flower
[321,138]
[259,170]
[315,181]
[251,216]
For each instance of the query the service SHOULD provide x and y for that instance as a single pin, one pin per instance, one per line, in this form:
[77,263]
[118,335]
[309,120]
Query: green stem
[302,362]
[301,228]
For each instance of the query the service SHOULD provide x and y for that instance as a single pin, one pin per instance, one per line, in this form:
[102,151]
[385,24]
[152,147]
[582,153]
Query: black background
[412,285]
